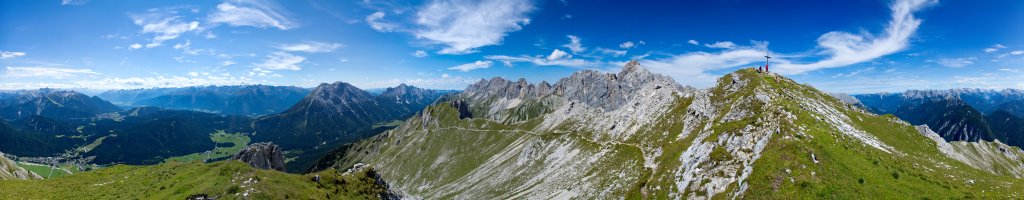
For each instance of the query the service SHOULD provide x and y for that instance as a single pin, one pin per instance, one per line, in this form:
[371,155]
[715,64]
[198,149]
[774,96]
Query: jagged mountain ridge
[231,100]
[952,118]
[983,100]
[752,135]
[57,104]
[958,114]
[334,114]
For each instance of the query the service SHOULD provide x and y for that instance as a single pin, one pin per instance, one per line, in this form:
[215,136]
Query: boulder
[263,155]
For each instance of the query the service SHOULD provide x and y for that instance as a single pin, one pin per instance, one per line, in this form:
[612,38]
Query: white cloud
[1016,52]
[163,24]
[690,68]
[73,2]
[543,61]
[845,49]
[228,62]
[182,46]
[612,52]
[693,42]
[281,60]
[444,82]
[135,46]
[464,26]
[374,20]
[166,81]
[839,48]
[255,13]
[558,55]
[11,54]
[721,45]
[856,72]
[310,47]
[994,48]
[420,54]
[260,72]
[193,74]
[480,64]
[626,45]
[956,62]
[47,72]
[574,45]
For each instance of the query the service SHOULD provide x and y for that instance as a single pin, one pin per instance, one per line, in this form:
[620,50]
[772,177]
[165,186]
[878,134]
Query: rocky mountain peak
[262,155]
[633,67]
[609,91]
[338,90]
[502,88]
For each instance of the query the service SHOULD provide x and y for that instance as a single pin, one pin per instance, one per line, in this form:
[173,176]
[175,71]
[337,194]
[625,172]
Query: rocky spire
[262,155]
[633,67]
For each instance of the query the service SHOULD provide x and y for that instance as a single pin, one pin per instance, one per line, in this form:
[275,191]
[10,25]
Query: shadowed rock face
[262,155]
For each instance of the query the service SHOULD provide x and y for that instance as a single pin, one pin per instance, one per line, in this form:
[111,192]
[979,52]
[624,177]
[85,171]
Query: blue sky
[852,46]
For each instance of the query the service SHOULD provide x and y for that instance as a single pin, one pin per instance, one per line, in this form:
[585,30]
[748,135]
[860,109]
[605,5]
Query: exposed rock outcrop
[263,155]
[9,170]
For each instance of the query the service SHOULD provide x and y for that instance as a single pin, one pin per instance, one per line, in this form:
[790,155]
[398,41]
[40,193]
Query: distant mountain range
[55,123]
[51,103]
[252,100]
[337,113]
[957,114]
[985,101]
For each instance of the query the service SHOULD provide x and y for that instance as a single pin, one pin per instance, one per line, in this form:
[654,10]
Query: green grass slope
[221,180]
[809,160]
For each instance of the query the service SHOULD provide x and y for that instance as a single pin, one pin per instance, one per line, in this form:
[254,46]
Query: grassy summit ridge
[753,135]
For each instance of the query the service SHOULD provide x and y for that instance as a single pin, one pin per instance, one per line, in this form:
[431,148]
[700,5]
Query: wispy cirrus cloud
[464,26]
[282,61]
[612,52]
[994,48]
[376,22]
[163,23]
[46,72]
[721,45]
[565,61]
[11,54]
[956,62]
[575,44]
[627,45]
[310,47]
[255,13]
[838,49]
[480,64]
[420,54]
[844,49]
[73,2]
[445,81]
